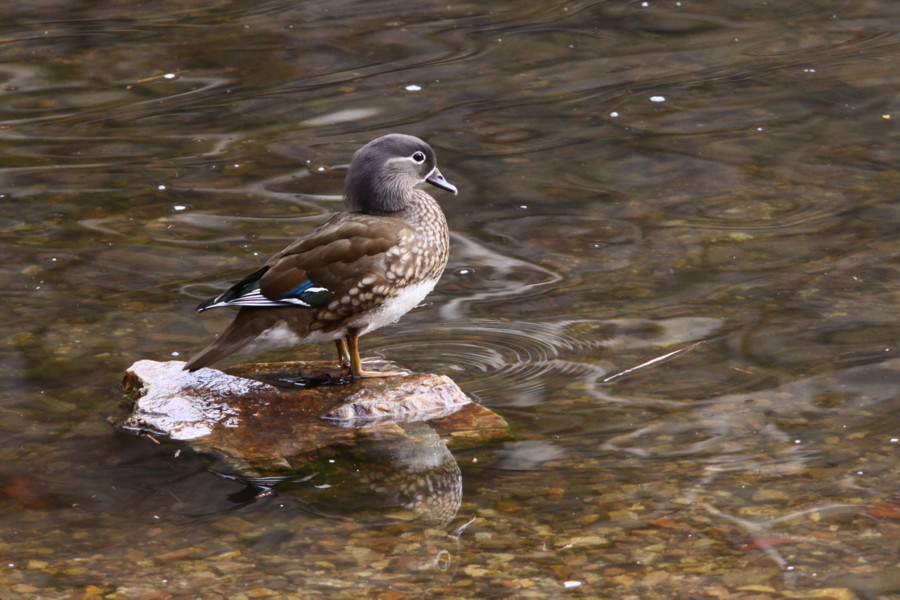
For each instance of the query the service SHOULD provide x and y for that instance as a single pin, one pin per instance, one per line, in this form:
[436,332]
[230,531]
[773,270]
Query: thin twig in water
[653,361]
[153,78]
[459,530]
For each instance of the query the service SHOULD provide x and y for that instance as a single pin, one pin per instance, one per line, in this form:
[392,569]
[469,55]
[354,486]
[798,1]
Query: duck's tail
[248,324]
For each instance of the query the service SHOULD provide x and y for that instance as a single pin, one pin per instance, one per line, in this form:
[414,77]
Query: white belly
[281,336]
[394,308]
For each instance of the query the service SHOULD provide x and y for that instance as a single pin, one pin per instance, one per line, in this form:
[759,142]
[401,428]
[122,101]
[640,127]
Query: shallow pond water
[635,177]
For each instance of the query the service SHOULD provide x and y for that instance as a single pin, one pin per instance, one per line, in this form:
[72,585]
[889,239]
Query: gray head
[384,173]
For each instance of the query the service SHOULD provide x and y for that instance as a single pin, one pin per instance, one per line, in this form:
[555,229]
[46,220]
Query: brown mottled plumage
[355,272]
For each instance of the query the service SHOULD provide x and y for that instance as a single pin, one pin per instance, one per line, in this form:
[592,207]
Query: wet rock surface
[258,425]
[376,448]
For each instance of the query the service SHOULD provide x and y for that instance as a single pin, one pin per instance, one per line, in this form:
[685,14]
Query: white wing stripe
[255,298]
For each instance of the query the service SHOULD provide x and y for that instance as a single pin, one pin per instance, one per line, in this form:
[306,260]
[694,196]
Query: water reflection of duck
[389,474]
[357,271]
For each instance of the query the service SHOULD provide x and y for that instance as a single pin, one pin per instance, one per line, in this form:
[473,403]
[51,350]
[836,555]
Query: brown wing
[335,256]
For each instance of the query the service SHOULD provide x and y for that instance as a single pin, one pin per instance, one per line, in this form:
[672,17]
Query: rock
[375,448]
[184,405]
[246,407]
[408,399]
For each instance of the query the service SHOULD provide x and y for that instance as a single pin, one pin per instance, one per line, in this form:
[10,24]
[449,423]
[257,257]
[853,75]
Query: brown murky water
[635,177]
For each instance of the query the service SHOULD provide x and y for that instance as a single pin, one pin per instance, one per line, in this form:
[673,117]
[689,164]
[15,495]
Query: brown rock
[376,446]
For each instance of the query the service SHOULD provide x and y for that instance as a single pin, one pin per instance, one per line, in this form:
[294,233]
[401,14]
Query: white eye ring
[418,157]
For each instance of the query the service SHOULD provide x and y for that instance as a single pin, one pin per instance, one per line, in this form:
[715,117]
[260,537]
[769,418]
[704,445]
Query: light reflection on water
[596,229]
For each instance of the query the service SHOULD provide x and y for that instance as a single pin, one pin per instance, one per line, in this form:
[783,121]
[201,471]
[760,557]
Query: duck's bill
[437,179]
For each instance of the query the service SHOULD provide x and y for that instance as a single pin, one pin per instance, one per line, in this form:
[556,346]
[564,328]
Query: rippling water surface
[635,177]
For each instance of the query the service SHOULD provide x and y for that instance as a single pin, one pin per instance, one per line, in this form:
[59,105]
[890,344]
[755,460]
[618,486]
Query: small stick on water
[153,78]
[653,361]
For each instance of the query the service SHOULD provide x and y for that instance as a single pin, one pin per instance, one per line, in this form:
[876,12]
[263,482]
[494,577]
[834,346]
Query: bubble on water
[413,88]
[657,98]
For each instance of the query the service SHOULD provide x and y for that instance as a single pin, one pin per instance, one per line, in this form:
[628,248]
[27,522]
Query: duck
[356,272]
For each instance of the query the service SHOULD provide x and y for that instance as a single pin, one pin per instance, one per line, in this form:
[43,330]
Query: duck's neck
[422,212]
[376,196]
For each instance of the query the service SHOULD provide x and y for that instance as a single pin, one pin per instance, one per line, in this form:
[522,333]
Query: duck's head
[383,174]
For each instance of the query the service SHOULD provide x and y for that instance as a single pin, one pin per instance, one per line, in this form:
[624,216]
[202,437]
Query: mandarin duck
[356,272]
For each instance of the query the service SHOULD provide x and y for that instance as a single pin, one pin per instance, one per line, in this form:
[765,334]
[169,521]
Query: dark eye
[419,157]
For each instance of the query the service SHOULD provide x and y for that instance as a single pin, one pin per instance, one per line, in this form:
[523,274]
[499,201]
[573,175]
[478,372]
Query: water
[635,177]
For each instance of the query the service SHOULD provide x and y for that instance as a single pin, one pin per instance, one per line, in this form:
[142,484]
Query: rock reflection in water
[390,473]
